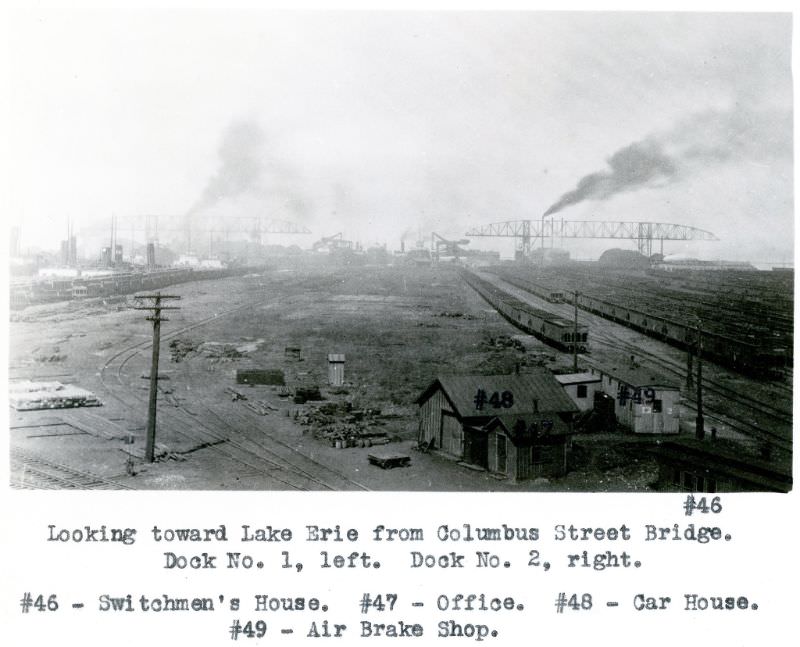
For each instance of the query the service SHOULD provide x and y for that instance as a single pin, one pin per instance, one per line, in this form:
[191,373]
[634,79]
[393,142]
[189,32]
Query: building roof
[335,357]
[531,392]
[527,429]
[724,459]
[577,378]
[639,376]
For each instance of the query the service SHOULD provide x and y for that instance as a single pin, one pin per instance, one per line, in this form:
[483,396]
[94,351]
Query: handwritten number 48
[504,400]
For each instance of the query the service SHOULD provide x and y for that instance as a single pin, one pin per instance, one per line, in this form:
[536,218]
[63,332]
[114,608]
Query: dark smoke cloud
[241,156]
[706,139]
[636,165]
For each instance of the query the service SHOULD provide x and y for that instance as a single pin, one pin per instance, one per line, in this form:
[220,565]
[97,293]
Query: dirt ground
[399,327]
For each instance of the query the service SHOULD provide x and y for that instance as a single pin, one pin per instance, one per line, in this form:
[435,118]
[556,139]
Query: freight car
[550,328]
[754,357]
[750,352]
[106,285]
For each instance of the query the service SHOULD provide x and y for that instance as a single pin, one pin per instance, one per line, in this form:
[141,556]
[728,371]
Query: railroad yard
[399,327]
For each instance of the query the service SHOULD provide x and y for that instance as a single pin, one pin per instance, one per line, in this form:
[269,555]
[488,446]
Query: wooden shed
[581,387]
[336,369]
[455,412]
[523,447]
[645,402]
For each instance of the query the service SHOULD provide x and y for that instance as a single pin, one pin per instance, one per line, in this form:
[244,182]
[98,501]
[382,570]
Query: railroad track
[601,331]
[256,456]
[34,472]
[722,335]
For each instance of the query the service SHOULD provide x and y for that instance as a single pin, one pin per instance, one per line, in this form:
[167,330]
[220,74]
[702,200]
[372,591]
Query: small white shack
[581,387]
[644,401]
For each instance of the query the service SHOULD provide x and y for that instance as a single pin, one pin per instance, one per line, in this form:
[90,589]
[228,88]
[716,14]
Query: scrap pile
[181,348]
[342,426]
[27,396]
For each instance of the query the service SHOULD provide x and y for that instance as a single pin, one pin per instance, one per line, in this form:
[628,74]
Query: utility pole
[689,366]
[700,431]
[575,336]
[155,307]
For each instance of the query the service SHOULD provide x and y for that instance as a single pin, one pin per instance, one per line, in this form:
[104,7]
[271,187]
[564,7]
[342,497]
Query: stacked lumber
[27,395]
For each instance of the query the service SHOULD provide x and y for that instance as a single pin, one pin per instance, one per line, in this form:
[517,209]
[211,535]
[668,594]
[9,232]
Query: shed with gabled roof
[645,401]
[455,409]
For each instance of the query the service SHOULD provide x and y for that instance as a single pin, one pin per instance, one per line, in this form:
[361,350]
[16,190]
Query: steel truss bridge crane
[644,233]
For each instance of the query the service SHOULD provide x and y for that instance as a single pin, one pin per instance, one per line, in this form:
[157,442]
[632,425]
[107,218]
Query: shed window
[582,390]
[657,406]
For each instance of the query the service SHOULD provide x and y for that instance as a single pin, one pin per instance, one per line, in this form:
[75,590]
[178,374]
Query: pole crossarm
[592,229]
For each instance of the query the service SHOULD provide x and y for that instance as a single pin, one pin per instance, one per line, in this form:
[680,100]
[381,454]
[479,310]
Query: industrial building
[513,425]
[581,388]
[645,402]
[697,466]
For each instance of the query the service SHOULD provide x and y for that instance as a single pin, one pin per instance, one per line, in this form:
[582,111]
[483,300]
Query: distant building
[645,402]
[512,425]
[707,466]
[680,262]
[549,256]
[187,260]
[581,387]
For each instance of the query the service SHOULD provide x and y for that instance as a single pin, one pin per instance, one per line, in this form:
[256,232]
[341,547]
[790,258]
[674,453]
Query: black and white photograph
[438,251]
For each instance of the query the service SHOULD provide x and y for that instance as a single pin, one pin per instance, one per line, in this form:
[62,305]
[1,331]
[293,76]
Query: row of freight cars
[106,285]
[550,328]
[757,357]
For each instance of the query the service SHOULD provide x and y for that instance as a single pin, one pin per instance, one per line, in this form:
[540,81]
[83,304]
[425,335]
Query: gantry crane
[644,233]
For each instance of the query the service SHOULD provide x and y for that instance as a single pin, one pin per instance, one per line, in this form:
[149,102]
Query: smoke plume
[240,169]
[702,140]
[636,165]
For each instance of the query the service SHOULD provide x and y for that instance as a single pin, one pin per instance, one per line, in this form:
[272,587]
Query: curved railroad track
[301,472]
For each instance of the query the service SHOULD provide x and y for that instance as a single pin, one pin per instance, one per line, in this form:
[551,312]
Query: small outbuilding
[581,387]
[522,447]
[645,402]
[513,425]
[336,369]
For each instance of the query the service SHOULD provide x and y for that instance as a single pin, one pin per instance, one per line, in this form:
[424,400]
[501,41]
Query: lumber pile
[28,395]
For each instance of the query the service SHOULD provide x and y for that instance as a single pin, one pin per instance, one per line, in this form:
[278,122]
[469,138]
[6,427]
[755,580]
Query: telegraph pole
[155,307]
[575,335]
[700,430]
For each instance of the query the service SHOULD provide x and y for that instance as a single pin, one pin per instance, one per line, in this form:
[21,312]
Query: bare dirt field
[399,327]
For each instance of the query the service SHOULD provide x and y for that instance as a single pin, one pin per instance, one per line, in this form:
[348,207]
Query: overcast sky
[381,125]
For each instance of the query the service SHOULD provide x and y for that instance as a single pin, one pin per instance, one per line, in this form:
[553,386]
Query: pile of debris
[181,348]
[27,396]
[220,351]
[270,377]
[342,426]
[503,341]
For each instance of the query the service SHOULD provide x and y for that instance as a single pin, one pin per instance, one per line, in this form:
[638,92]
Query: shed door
[502,454]
[451,435]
